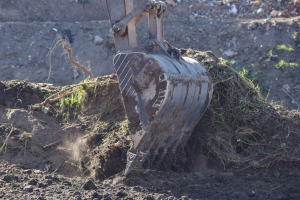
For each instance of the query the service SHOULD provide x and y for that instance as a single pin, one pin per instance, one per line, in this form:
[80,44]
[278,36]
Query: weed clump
[282,48]
[240,126]
[283,65]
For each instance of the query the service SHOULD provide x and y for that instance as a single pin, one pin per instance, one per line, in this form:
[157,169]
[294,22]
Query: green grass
[270,53]
[46,93]
[294,36]
[280,64]
[283,48]
[283,65]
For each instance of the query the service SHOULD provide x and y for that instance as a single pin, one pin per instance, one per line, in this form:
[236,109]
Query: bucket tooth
[165,150]
[131,160]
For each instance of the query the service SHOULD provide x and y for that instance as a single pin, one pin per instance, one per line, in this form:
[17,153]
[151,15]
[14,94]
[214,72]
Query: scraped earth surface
[82,155]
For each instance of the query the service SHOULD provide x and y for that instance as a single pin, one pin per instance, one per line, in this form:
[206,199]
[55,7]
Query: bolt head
[117,28]
[150,45]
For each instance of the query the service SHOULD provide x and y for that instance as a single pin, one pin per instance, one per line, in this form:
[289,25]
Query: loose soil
[80,150]
[75,148]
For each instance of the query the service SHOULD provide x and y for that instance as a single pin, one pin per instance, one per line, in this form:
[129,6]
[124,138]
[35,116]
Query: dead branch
[6,141]
[59,165]
[290,97]
[67,46]
[52,144]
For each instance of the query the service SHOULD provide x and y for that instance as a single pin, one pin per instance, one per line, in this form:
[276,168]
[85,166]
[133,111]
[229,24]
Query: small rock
[283,145]
[5,67]
[298,87]
[286,87]
[40,185]
[98,40]
[279,1]
[89,185]
[76,75]
[274,13]
[230,53]
[184,198]
[274,58]
[121,194]
[200,29]
[95,195]
[32,182]
[192,17]
[46,110]
[28,188]
[188,39]
[277,174]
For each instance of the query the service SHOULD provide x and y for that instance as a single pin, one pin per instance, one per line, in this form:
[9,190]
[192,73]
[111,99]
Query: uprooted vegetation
[239,130]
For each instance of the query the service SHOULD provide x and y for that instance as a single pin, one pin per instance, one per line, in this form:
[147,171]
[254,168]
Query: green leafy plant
[244,72]
[280,64]
[282,48]
[294,36]
[18,102]
[45,93]
[270,53]
[283,65]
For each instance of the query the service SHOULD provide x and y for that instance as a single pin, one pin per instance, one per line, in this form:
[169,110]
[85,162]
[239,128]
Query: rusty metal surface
[164,94]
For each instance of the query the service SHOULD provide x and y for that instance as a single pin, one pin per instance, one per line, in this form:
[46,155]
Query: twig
[69,51]
[221,81]
[291,97]
[51,47]
[59,165]
[49,152]
[5,142]
[277,187]
[30,45]
[52,144]
[288,132]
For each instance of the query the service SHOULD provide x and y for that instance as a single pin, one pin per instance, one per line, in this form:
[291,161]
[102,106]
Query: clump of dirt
[21,93]
[62,132]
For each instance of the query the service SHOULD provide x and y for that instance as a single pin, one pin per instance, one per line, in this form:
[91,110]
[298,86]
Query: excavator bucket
[164,94]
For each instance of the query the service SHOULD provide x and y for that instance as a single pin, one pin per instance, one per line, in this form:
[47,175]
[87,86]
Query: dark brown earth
[89,161]
[79,151]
